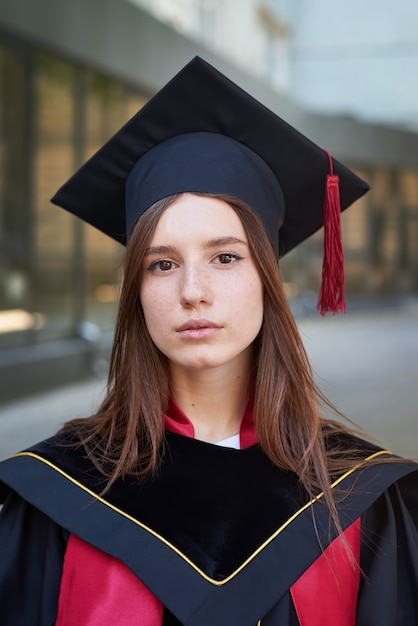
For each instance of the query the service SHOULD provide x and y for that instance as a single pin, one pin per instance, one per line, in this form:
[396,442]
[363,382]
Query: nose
[194,287]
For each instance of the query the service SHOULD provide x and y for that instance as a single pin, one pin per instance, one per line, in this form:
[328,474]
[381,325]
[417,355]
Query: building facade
[70,75]
[255,35]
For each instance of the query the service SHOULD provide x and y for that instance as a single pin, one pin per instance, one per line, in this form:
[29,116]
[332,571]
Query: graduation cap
[203,133]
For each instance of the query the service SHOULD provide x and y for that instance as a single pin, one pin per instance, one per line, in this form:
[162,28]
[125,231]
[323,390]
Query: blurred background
[71,73]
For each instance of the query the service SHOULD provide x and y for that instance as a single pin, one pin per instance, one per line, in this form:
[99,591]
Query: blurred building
[255,35]
[359,58]
[71,73]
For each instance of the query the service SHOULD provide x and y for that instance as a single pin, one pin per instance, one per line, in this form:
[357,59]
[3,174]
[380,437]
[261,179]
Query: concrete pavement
[366,363]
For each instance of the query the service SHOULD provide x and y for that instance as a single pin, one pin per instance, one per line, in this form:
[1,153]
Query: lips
[197,325]
[201,329]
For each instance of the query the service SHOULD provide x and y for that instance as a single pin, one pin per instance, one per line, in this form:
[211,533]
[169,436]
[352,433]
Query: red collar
[177,422]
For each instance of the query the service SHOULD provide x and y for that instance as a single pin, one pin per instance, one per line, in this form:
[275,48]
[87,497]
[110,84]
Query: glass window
[354,231]
[55,271]
[16,319]
[53,164]
[408,231]
[109,106]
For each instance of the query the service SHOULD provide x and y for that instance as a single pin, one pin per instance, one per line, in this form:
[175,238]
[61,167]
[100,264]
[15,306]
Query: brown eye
[164,265]
[226,258]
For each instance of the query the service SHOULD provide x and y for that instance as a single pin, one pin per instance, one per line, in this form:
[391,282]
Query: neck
[214,401]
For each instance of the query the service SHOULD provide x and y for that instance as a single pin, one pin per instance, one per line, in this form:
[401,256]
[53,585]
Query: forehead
[200,218]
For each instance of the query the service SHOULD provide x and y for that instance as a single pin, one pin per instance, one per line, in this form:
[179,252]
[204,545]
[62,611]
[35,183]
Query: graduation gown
[221,537]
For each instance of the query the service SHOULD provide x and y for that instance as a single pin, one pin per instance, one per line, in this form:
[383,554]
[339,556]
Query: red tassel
[331,297]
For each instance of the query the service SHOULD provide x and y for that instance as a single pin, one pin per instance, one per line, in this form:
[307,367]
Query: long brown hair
[126,435]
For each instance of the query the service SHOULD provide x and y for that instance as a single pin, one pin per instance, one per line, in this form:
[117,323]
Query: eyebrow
[223,241]
[159,250]
[211,243]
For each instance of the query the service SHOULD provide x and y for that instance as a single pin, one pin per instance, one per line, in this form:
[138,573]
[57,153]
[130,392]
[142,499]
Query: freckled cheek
[256,299]
[247,302]
[248,290]
[157,309]
[151,306]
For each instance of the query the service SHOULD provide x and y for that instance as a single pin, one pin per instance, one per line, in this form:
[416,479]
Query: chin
[201,364]
[210,363]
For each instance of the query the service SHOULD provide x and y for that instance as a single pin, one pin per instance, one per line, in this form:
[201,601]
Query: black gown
[219,537]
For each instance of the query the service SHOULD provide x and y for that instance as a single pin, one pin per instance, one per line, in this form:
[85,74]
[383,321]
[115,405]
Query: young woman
[207,489]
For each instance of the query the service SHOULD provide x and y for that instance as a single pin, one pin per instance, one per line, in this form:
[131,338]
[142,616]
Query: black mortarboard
[203,133]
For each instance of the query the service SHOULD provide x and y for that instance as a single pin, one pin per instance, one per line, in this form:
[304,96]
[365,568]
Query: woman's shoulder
[338,438]
[350,455]
[57,451]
